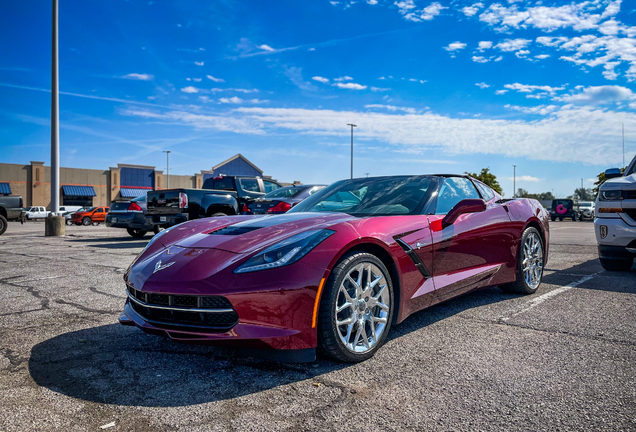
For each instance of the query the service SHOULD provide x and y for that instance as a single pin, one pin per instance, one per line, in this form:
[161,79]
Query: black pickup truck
[220,196]
[10,210]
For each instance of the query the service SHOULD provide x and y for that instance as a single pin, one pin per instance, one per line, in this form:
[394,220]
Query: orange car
[92,215]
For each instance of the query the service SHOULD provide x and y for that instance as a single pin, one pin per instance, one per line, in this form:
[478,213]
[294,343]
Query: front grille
[629,194]
[631,213]
[178,315]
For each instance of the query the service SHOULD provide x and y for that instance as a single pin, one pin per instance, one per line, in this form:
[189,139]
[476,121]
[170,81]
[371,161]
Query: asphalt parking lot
[561,359]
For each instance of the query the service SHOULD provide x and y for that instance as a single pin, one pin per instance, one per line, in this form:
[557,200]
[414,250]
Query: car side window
[486,192]
[250,185]
[270,186]
[453,190]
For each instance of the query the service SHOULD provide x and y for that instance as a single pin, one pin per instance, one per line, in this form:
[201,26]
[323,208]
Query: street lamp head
[352,125]
[166,151]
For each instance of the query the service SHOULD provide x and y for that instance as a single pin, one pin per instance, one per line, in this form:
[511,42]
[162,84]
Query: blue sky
[433,86]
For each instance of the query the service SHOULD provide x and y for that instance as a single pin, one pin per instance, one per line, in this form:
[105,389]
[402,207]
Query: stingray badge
[158,266]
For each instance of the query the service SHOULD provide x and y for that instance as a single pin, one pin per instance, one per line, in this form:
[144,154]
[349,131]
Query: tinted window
[270,186]
[223,183]
[453,191]
[250,185]
[486,192]
[374,196]
[285,192]
[92,209]
[315,189]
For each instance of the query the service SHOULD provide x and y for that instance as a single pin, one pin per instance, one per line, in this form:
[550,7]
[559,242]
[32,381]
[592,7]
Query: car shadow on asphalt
[623,282]
[121,365]
[114,242]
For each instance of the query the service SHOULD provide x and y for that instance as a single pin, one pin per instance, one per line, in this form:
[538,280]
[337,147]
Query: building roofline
[134,166]
[236,156]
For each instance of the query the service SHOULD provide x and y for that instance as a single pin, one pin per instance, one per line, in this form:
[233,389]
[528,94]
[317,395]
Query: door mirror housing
[463,207]
[612,173]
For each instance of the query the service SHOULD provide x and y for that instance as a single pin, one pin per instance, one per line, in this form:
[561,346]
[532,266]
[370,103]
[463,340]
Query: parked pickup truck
[10,210]
[220,196]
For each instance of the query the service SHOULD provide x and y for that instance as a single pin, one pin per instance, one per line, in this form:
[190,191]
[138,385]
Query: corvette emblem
[158,266]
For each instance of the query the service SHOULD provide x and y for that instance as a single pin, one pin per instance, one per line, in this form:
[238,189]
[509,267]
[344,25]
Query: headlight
[611,195]
[286,252]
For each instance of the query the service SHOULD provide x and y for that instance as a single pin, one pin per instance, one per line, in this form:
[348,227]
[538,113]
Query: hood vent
[234,230]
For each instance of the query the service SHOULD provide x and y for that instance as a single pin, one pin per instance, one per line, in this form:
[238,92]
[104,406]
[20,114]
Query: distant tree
[488,178]
[583,194]
[543,196]
[522,193]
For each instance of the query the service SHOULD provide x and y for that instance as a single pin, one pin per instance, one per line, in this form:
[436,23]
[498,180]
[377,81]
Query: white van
[70,209]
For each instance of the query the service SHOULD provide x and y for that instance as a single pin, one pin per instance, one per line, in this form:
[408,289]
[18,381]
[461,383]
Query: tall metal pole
[352,126]
[55,120]
[514,181]
[623,124]
[167,152]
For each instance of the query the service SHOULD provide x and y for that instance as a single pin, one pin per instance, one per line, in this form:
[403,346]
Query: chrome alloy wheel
[532,264]
[362,307]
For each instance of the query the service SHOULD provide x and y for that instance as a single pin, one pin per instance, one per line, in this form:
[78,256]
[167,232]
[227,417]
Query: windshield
[91,209]
[585,205]
[284,192]
[400,195]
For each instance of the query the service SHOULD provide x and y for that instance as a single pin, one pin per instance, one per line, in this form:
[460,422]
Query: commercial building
[91,187]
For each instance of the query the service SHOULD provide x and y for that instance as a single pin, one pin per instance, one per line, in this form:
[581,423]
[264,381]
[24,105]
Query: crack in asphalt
[96,291]
[86,309]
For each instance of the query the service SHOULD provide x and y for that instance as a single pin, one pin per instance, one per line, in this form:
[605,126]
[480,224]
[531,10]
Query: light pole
[55,120]
[623,125]
[514,181]
[167,152]
[352,126]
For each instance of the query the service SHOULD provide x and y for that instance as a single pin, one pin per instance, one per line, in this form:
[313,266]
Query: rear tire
[574,218]
[136,233]
[3,224]
[530,257]
[560,219]
[617,265]
[86,221]
[553,218]
[157,229]
[69,222]
[219,214]
[365,310]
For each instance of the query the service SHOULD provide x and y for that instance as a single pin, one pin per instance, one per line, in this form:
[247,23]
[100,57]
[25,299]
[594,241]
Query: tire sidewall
[3,224]
[86,219]
[327,325]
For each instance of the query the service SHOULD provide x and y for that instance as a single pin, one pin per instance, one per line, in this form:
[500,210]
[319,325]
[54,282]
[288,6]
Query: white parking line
[538,300]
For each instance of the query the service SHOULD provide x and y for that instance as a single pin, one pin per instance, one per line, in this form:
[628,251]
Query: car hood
[248,234]
[625,183]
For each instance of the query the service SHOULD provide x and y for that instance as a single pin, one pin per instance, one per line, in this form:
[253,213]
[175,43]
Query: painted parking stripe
[542,298]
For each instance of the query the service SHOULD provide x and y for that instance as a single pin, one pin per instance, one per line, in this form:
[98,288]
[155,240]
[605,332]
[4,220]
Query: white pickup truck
[615,222]
[37,212]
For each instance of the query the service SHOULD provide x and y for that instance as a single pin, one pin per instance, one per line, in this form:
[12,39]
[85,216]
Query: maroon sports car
[339,269]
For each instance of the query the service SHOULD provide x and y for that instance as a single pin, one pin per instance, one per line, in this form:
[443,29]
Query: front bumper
[166,220]
[619,233]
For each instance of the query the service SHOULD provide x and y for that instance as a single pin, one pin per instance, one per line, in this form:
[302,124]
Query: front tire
[136,233]
[530,259]
[3,224]
[86,221]
[69,222]
[617,265]
[356,308]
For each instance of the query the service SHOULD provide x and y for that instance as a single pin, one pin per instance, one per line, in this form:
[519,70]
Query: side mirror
[462,207]
[612,173]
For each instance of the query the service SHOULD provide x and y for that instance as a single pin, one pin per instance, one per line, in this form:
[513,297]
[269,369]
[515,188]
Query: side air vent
[234,231]
[414,257]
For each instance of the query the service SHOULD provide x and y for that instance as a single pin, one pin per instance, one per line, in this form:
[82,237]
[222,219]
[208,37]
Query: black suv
[562,209]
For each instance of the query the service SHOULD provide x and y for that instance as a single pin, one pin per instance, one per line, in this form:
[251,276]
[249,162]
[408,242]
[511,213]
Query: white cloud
[320,79]
[392,108]
[480,59]
[379,89]
[210,77]
[197,79]
[501,92]
[343,78]
[510,45]
[472,10]
[232,100]
[455,46]
[524,88]
[266,48]
[542,56]
[539,109]
[564,135]
[372,2]
[199,63]
[484,45]
[406,8]
[599,95]
[522,53]
[138,76]
[190,89]
[525,178]
[352,86]
[295,75]
[482,85]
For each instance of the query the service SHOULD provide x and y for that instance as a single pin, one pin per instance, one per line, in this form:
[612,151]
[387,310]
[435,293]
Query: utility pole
[352,126]
[514,181]
[167,152]
[367,174]
[623,125]
[55,120]
[54,223]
